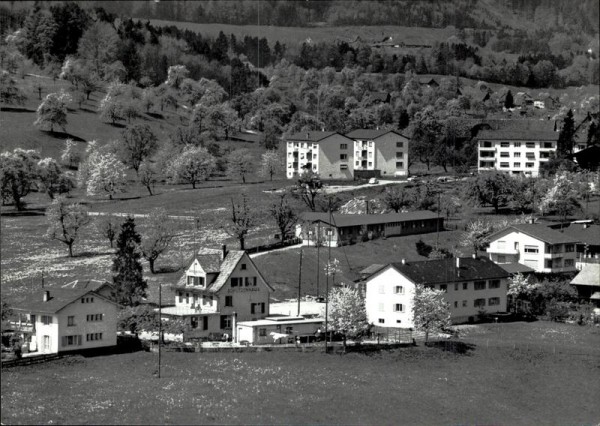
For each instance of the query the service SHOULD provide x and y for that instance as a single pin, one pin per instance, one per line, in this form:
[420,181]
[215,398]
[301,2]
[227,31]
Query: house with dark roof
[587,236]
[343,229]
[471,286]
[217,290]
[538,247]
[379,152]
[587,284]
[380,97]
[328,154]
[428,81]
[80,315]
[518,147]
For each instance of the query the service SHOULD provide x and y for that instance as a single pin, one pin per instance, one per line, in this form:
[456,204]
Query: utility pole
[299,280]
[159,323]
[437,237]
[329,232]
[318,242]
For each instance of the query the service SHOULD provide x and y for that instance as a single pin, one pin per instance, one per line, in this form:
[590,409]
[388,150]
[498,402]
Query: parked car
[413,179]
[373,181]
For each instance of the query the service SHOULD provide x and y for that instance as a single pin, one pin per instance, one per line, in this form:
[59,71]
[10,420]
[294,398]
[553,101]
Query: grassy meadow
[517,373]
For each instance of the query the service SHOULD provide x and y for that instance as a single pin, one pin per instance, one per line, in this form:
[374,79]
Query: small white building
[537,246]
[67,319]
[471,286]
[279,329]
[218,289]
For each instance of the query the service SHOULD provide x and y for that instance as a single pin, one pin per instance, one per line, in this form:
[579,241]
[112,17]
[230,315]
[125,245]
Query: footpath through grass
[491,383]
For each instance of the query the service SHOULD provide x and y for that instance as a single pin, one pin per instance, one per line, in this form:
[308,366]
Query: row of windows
[207,300]
[262,332]
[488,144]
[197,281]
[396,307]
[398,289]
[71,340]
[243,282]
[478,285]
[527,165]
[93,336]
[87,300]
[477,303]
[94,317]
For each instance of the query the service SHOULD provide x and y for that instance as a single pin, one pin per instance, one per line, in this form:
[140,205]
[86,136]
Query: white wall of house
[515,157]
[385,291]
[74,328]
[298,155]
[260,333]
[466,299]
[514,246]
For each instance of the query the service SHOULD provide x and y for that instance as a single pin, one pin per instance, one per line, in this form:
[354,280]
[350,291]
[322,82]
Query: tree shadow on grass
[94,253]
[88,110]
[167,269]
[118,125]
[155,115]
[16,109]
[63,135]
[454,346]
[28,212]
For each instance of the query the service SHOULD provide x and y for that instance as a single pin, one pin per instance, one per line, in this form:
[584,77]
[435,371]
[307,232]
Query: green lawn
[550,381]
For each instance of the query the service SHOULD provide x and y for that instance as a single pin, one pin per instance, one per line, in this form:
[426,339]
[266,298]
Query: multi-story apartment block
[384,151]
[515,151]
[327,153]
[471,285]
[335,156]
[537,246]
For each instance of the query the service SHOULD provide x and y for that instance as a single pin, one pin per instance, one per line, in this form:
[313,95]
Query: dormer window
[195,281]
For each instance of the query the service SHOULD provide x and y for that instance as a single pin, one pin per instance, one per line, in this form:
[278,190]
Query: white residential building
[536,246]
[471,285]
[75,317]
[216,290]
[383,150]
[514,151]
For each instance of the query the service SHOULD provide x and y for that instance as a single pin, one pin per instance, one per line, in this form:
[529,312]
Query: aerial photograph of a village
[300,212]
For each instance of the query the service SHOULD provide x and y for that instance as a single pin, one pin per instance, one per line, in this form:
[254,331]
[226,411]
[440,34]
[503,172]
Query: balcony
[23,327]
[506,251]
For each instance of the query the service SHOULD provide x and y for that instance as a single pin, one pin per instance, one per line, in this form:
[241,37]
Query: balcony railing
[503,251]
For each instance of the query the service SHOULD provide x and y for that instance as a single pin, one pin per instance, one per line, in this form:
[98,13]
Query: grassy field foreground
[537,373]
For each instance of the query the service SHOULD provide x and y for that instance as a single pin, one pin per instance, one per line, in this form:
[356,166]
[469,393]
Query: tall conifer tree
[129,283]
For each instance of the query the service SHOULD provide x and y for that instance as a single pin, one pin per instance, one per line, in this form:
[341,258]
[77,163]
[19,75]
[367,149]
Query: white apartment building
[471,286]
[514,151]
[536,246]
[327,153]
[383,150]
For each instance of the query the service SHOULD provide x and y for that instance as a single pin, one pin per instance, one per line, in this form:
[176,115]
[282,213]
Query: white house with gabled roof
[80,315]
[539,247]
[217,290]
[471,286]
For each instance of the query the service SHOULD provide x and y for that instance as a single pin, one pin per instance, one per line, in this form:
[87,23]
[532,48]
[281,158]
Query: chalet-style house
[81,315]
[217,290]
[327,153]
[343,229]
[472,286]
[587,283]
[518,147]
[537,246]
[379,152]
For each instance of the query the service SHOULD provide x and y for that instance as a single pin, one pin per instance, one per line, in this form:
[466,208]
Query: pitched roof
[343,220]
[542,233]
[90,285]
[379,96]
[211,263]
[516,268]
[311,136]
[445,270]
[589,275]
[519,130]
[247,136]
[226,268]
[587,235]
[59,298]
[371,269]
[370,133]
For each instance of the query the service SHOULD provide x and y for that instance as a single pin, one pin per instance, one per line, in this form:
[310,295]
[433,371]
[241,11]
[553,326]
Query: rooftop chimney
[404,261]
[474,256]
[458,262]
[224,249]
[46,296]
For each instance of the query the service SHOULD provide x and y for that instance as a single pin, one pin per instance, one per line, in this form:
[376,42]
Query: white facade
[512,246]
[300,156]
[364,155]
[390,298]
[88,322]
[275,330]
[514,157]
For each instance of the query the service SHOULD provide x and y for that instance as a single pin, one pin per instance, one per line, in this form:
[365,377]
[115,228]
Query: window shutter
[262,307]
[64,340]
[252,308]
[79,340]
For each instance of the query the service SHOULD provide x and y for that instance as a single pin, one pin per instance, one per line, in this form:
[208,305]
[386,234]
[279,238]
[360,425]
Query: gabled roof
[379,96]
[427,80]
[343,220]
[589,235]
[59,299]
[516,268]
[518,130]
[371,134]
[589,275]
[311,136]
[90,285]
[223,268]
[540,232]
[517,135]
[445,270]
[247,136]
